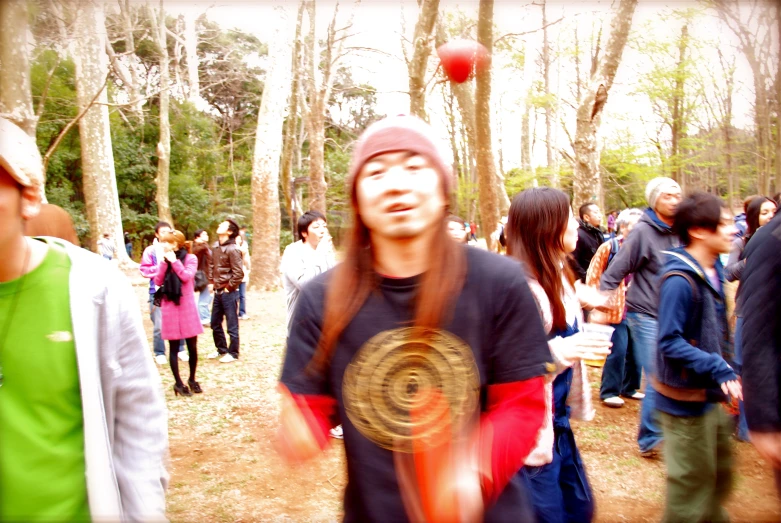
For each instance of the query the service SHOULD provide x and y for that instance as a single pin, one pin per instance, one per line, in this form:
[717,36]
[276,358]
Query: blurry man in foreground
[78,389]
[399,341]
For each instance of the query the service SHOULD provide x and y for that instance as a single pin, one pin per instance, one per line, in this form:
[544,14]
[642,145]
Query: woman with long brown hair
[541,232]
[402,340]
[176,273]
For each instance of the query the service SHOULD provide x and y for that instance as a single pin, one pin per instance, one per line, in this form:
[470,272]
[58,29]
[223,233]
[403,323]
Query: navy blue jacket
[693,337]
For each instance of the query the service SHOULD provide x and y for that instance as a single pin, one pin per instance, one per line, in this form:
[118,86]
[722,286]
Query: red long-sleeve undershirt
[508,428]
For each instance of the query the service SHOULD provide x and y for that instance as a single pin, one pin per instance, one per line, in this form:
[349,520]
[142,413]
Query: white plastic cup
[602,331]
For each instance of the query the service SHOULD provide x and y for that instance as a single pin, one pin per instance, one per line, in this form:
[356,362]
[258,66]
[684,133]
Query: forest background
[194,112]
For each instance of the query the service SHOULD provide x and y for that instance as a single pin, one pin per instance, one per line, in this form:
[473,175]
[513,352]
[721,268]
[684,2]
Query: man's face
[668,202]
[316,231]
[593,216]
[223,229]
[161,231]
[457,231]
[17,204]
[399,195]
[720,240]
[204,237]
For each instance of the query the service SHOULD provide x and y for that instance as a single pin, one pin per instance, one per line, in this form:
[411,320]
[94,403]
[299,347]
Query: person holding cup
[541,232]
[621,370]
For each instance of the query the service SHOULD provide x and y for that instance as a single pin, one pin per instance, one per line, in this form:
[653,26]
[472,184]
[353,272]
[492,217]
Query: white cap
[19,155]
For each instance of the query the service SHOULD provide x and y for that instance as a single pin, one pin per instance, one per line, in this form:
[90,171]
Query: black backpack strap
[688,278]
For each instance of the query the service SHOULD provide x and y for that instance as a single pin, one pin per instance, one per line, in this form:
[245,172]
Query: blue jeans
[204,302]
[243,299]
[621,373]
[560,491]
[643,330]
[226,306]
[738,364]
[156,315]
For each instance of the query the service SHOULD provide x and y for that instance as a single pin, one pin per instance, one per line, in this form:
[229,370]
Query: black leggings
[173,357]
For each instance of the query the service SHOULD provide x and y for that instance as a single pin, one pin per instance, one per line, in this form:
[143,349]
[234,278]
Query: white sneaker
[337,432]
[227,359]
[160,359]
[184,355]
[213,355]
[614,402]
[637,396]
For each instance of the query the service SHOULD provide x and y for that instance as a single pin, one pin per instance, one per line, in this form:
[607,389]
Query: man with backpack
[692,375]
[621,372]
[641,256]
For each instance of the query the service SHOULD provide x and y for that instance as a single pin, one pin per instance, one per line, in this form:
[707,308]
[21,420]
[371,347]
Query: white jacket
[125,418]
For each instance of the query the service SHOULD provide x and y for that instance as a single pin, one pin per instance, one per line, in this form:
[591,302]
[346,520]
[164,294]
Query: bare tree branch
[69,126]
[515,35]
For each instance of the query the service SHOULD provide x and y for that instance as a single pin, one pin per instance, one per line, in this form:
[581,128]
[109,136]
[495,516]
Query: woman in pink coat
[176,273]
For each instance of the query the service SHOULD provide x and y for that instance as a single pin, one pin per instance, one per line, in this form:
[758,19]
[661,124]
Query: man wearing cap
[401,341]
[641,256]
[78,390]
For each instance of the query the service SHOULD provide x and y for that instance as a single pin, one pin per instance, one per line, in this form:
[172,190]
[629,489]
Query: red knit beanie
[400,133]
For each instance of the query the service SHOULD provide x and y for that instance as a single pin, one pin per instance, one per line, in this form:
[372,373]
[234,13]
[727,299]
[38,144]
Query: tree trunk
[130,74]
[16,98]
[587,178]
[291,125]
[778,113]
[319,96]
[191,50]
[97,160]
[315,122]
[550,114]
[422,49]
[486,174]
[164,142]
[265,165]
[526,163]
[678,100]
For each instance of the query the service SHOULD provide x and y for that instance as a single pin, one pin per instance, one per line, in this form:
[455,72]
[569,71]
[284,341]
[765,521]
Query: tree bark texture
[486,169]
[16,98]
[291,125]
[587,177]
[164,142]
[268,148]
[417,66]
[97,160]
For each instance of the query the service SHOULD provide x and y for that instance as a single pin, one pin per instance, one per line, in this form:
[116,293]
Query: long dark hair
[354,279]
[535,226]
[752,214]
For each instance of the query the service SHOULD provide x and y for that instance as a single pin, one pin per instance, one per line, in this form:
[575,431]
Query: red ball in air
[460,57]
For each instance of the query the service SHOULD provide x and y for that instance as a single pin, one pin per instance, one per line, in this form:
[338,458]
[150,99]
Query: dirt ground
[223,467]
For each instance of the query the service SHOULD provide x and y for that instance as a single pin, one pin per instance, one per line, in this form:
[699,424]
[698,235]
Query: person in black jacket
[590,237]
[760,301]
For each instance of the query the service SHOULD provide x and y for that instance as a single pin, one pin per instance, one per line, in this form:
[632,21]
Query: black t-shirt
[495,320]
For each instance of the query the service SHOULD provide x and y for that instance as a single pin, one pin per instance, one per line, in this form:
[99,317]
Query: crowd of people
[645,299]
[451,373]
